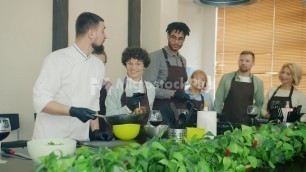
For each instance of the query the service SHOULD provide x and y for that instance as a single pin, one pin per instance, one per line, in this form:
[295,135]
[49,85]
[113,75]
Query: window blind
[275,30]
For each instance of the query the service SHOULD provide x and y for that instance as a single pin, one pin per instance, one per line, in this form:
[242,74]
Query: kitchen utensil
[181,121]
[280,114]
[125,119]
[177,135]
[159,131]
[252,112]
[12,152]
[224,126]
[298,109]
[195,132]
[173,115]
[14,144]
[295,115]
[126,131]
[13,156]
[173,108]
[166,111]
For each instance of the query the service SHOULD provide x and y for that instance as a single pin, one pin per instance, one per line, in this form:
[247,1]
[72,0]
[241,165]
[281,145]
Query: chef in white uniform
[66,93]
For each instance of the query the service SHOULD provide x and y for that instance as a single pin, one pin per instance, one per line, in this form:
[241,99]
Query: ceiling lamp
[223,3]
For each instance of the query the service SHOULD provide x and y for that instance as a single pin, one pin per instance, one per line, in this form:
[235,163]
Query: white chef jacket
[69,77]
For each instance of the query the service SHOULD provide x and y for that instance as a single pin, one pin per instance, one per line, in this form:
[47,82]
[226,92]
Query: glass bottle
[205,106]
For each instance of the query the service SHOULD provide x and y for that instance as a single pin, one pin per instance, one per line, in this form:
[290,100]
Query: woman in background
[290,76]
[198,82]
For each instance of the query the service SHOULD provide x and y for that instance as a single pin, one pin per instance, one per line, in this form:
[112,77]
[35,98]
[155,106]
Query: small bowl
[197,132]
[160,130]
[126,131]
[43,147]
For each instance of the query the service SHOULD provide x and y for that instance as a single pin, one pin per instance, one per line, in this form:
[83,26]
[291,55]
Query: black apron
[104,126]
[241,94]
[142,136]
[177,76]
[276,101]
[199,104]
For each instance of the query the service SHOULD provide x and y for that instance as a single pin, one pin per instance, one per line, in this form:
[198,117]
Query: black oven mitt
[134,101]
[181,96]
[98,135]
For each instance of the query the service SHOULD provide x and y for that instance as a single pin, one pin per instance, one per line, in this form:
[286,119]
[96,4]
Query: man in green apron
[239,89]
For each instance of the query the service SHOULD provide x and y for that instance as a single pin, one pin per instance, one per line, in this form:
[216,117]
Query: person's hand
[82,114]
[134,101]
[267,116]
[191,107]
[102,136]
[181,96]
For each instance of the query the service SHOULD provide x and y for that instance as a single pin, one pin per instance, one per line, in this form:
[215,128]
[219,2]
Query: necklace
[80,52]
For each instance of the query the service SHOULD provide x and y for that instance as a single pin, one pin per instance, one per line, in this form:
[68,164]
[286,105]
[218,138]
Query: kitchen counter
[17,164]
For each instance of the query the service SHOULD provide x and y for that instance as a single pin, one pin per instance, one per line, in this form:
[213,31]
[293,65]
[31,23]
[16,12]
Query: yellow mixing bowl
[126,131]
[197,132]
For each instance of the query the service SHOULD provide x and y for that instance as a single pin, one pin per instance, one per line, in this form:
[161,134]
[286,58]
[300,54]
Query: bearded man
[239,89]
[66,92]
[167,70]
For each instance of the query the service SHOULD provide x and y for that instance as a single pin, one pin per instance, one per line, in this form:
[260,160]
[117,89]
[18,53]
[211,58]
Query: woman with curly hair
[128,95]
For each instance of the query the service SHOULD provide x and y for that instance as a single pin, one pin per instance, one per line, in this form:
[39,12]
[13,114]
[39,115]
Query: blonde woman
[290,76]
[198,82]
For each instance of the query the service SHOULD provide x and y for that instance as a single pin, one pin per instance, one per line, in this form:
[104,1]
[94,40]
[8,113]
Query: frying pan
[126,119]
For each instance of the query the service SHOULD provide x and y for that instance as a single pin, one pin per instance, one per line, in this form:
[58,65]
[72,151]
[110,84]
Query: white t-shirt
[68,77]
[245,79]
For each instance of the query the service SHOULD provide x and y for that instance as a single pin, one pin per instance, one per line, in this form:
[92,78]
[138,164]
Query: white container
[42,147]
[208,121]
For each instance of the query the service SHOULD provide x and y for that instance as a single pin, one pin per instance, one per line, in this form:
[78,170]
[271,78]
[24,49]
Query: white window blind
[275,30]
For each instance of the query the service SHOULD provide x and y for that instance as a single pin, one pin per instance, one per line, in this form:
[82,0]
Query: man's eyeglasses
[174,38]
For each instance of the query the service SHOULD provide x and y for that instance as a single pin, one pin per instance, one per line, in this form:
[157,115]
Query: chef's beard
[244,69]
[97,48]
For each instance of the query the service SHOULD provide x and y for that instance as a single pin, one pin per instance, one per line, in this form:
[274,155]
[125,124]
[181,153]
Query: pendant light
[223,3]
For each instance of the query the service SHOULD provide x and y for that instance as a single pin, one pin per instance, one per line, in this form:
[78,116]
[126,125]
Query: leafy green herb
[233,151]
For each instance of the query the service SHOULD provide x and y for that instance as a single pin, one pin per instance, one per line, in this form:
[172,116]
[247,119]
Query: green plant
[232,151]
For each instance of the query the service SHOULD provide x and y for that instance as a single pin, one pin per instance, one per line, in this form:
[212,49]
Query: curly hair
[135,53]
[179,26]
[296,72]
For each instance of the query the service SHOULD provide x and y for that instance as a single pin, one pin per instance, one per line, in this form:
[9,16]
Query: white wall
[26,39]
[115,15]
